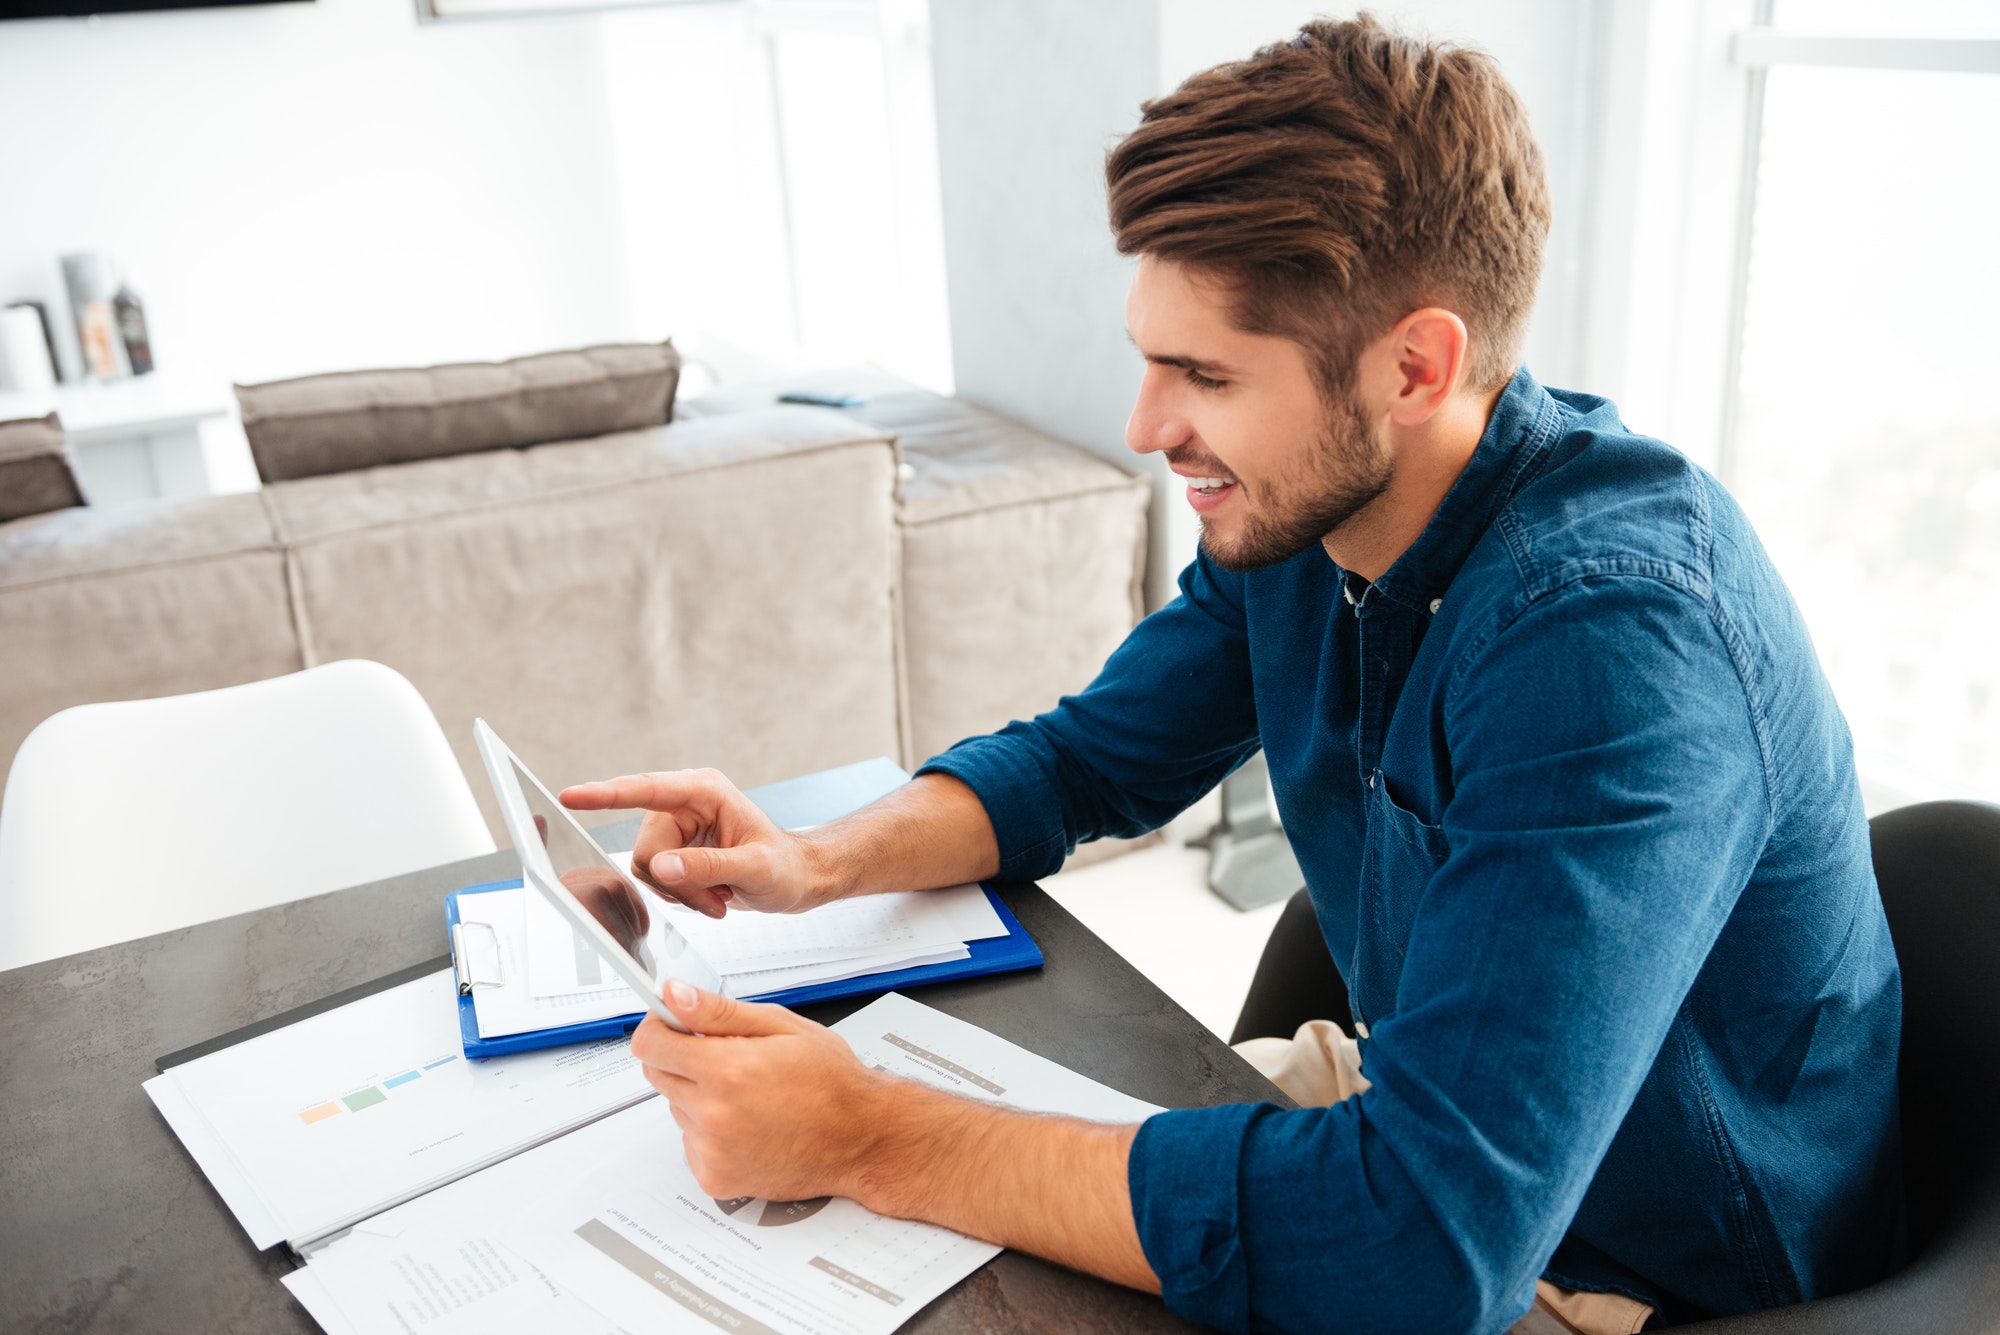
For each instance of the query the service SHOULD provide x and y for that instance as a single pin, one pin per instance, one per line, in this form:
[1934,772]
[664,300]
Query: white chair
[122,820]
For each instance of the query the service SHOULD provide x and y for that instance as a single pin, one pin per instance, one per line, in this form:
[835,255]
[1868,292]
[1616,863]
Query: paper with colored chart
[307,1129]
[605,1229]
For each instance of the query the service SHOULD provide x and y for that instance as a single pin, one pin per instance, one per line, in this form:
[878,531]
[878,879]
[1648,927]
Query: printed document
[434,1264]
[314,1126]
[642,1243]
[609,1229]
[551,977]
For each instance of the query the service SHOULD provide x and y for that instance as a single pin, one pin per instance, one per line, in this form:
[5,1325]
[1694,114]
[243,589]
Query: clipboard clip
[475,956]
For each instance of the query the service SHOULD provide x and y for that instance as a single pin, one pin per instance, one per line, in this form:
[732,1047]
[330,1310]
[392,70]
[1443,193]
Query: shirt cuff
[1182,1171]
[1020,797]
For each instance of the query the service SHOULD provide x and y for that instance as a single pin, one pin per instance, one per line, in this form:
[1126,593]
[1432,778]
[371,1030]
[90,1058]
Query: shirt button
[1348,594]
[1436,603]
[1371,781]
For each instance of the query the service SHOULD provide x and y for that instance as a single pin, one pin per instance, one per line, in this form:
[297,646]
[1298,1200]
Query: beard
[1341,473]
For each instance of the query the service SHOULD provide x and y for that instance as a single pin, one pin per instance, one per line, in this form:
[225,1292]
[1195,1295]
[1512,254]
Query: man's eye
[1200,381]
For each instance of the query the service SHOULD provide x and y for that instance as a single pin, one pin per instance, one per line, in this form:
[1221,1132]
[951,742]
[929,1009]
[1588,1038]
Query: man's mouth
[1210,486]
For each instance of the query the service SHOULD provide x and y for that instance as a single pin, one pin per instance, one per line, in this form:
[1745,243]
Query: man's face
[1239,416]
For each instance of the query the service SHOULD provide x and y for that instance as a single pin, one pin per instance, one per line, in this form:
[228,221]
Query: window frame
[1757,49]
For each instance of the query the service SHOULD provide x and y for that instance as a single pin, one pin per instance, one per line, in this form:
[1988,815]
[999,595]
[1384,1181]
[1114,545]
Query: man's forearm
[1053,1186]
[931,832]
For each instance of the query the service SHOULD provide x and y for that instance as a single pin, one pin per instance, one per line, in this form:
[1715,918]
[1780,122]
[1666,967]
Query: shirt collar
[1510,451]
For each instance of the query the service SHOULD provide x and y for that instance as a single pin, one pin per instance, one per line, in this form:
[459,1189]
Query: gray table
[106,1224]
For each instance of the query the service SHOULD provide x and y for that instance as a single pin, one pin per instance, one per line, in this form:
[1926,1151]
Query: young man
[1577,811]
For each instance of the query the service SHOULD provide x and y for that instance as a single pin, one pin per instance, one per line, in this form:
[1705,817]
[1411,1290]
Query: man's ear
[1419,364]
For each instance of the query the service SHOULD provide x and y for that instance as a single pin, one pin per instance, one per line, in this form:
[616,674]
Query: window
[1865,440]
[777,171]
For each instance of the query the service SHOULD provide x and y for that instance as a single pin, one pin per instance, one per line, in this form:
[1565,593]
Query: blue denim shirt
[1579,817]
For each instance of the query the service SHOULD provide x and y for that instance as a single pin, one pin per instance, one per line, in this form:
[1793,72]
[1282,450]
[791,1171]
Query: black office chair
[1939,867]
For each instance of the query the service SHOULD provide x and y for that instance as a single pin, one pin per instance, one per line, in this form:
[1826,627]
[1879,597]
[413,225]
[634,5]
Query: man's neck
[1427,460]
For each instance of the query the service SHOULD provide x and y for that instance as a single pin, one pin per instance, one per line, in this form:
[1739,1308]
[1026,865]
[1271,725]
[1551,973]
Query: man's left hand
[773,1105]
[769,1103]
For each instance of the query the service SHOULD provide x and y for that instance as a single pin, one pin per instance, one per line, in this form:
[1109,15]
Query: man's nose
[1154,425]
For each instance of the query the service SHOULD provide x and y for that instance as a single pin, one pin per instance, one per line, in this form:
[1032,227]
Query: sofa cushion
[707,593]
[1022,554]
[35,474]
[125,602]
[359,419]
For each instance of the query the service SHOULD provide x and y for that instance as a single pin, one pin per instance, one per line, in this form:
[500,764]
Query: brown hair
[1339,181]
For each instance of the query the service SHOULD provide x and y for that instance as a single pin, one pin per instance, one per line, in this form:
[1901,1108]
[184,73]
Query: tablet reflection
[601,890]
[607,897]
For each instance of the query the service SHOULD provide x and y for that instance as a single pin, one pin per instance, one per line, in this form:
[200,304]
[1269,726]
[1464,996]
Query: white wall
[308,187]
[1668,175]
[1030,95]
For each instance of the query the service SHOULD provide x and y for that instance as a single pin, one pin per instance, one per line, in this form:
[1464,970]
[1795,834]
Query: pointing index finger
[652,792]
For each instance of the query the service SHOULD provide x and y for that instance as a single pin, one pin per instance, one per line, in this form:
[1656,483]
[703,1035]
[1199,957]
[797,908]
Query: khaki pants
[1320,1065]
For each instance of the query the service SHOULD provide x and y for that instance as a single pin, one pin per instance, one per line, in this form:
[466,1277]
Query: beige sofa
[763,588]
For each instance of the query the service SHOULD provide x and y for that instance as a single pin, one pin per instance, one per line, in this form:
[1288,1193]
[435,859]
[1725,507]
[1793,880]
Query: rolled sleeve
[1021,797]
[1182,1172]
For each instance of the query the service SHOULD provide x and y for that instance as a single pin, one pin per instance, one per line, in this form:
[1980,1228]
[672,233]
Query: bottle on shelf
[88,279]
[131,316]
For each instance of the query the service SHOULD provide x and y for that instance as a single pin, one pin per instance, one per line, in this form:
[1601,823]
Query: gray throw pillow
[35,475]
[359,419]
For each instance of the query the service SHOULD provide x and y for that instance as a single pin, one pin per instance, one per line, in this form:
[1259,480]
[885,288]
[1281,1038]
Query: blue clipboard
[998,954]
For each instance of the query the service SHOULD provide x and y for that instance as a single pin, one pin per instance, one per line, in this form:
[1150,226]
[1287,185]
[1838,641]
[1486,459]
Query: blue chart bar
[432,1066]
[403,1079]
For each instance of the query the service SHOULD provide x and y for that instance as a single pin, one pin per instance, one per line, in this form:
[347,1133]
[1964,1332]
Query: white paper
[651,1250]
[760,942]
[513,1008]
[319,1303]
[453,1261]
[434,1265]
[560,965]
[339,1116]
[230,1181]
[767,981]
[558,960]
[744,942]
[501,1011]
[905,1037]
[517,915]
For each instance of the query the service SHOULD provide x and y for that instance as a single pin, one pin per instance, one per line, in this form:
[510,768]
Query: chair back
[125,819]
[1938,864]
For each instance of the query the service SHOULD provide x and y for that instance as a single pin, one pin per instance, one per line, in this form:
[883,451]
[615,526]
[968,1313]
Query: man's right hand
[705,844]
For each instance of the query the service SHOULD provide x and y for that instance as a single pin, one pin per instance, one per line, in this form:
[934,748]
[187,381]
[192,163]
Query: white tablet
[605,906]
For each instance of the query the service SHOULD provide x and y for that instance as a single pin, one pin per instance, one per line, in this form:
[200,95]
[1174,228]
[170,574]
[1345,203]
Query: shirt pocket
[1399,855]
